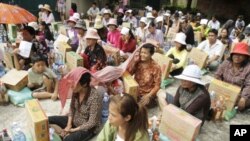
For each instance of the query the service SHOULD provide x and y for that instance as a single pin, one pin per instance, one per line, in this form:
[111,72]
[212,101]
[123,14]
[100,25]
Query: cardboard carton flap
[14,76]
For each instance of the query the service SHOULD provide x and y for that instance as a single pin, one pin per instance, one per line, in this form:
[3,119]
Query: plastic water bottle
[16,132]
[212,97]
[105,107]
[18,135]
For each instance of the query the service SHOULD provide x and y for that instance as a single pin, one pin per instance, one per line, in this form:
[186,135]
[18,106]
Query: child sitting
[42,79]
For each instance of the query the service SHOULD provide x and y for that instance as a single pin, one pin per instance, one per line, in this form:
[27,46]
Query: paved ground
[211,131]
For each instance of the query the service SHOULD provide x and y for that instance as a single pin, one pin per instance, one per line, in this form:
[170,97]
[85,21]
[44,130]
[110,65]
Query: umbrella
[10,14]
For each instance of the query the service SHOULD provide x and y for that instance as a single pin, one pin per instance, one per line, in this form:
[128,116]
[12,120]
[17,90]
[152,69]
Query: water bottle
[212,97]
[19,135]
[105,107]
[6,136]
[150,133]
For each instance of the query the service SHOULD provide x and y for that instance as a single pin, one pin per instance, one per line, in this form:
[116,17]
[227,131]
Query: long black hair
[47,32]
[85,79]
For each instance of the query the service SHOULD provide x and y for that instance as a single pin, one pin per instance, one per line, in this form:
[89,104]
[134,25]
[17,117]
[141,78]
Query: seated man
[191,96]
[213,47]
[147,74]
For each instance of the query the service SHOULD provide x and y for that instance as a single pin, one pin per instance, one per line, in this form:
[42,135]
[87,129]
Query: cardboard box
[130,85]
[37,121]
[165,64]
[9,60]
[198,57]
[15,80]
[61,39]
[179,125]
[114,52]
[63,48]
[74,60]
[228,91]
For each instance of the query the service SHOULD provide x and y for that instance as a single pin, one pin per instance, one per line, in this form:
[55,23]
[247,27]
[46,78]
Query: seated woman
[84,117]
[42,79]
[72,34]
[127,42]
[127,121]
[236,70]
[28,34]
[191,96]
[147,74]
[94,55]
[178,54]
[113,34]
[81,30]
[44,34]
[226,41]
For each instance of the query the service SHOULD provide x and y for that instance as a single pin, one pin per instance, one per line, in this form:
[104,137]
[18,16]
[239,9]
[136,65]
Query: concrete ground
[211,131]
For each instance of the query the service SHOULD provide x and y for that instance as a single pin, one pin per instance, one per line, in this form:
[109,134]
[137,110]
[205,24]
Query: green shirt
[109,133]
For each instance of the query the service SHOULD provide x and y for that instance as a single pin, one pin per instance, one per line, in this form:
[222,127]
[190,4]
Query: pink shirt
[114,38]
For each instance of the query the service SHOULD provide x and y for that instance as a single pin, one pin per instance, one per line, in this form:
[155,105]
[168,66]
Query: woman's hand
[242,104]
[16,51]
[74,130]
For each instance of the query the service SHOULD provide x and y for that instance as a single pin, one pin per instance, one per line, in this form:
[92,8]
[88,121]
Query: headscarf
[107,74]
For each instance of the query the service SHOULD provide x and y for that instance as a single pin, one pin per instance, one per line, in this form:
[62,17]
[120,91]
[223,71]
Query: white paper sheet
[25,48]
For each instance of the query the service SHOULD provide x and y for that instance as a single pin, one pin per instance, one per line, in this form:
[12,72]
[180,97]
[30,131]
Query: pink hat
[112,21]
[92,34]
[71,19]
[120,10]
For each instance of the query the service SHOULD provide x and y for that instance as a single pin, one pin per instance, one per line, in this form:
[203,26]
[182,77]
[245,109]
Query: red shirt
[127,47]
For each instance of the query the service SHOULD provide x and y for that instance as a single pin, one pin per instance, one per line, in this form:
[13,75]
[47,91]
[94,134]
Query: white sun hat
[125,31]
[204,21]
[112,21]
[107,11]
[180,38]
[129,11]
[159,19]
[76,16]
[150,15]
[143,20]
[191,73]
[40,6]
[34,25]
[92,34]
[167,14]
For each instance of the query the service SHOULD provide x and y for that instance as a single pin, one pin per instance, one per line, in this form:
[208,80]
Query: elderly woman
[191,96]
[236,70]
[47,15]
[72,33]
[148,75]
[114,33]
[127,41]
[178,54]
[83,120]
[94,55]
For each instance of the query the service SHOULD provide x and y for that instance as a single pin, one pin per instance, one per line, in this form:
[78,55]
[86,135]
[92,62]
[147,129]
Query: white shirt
[133,21]
[93,11]
[140,33]
[48,19]
[104,22]
[214,25]
[82,45]
[215,49]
